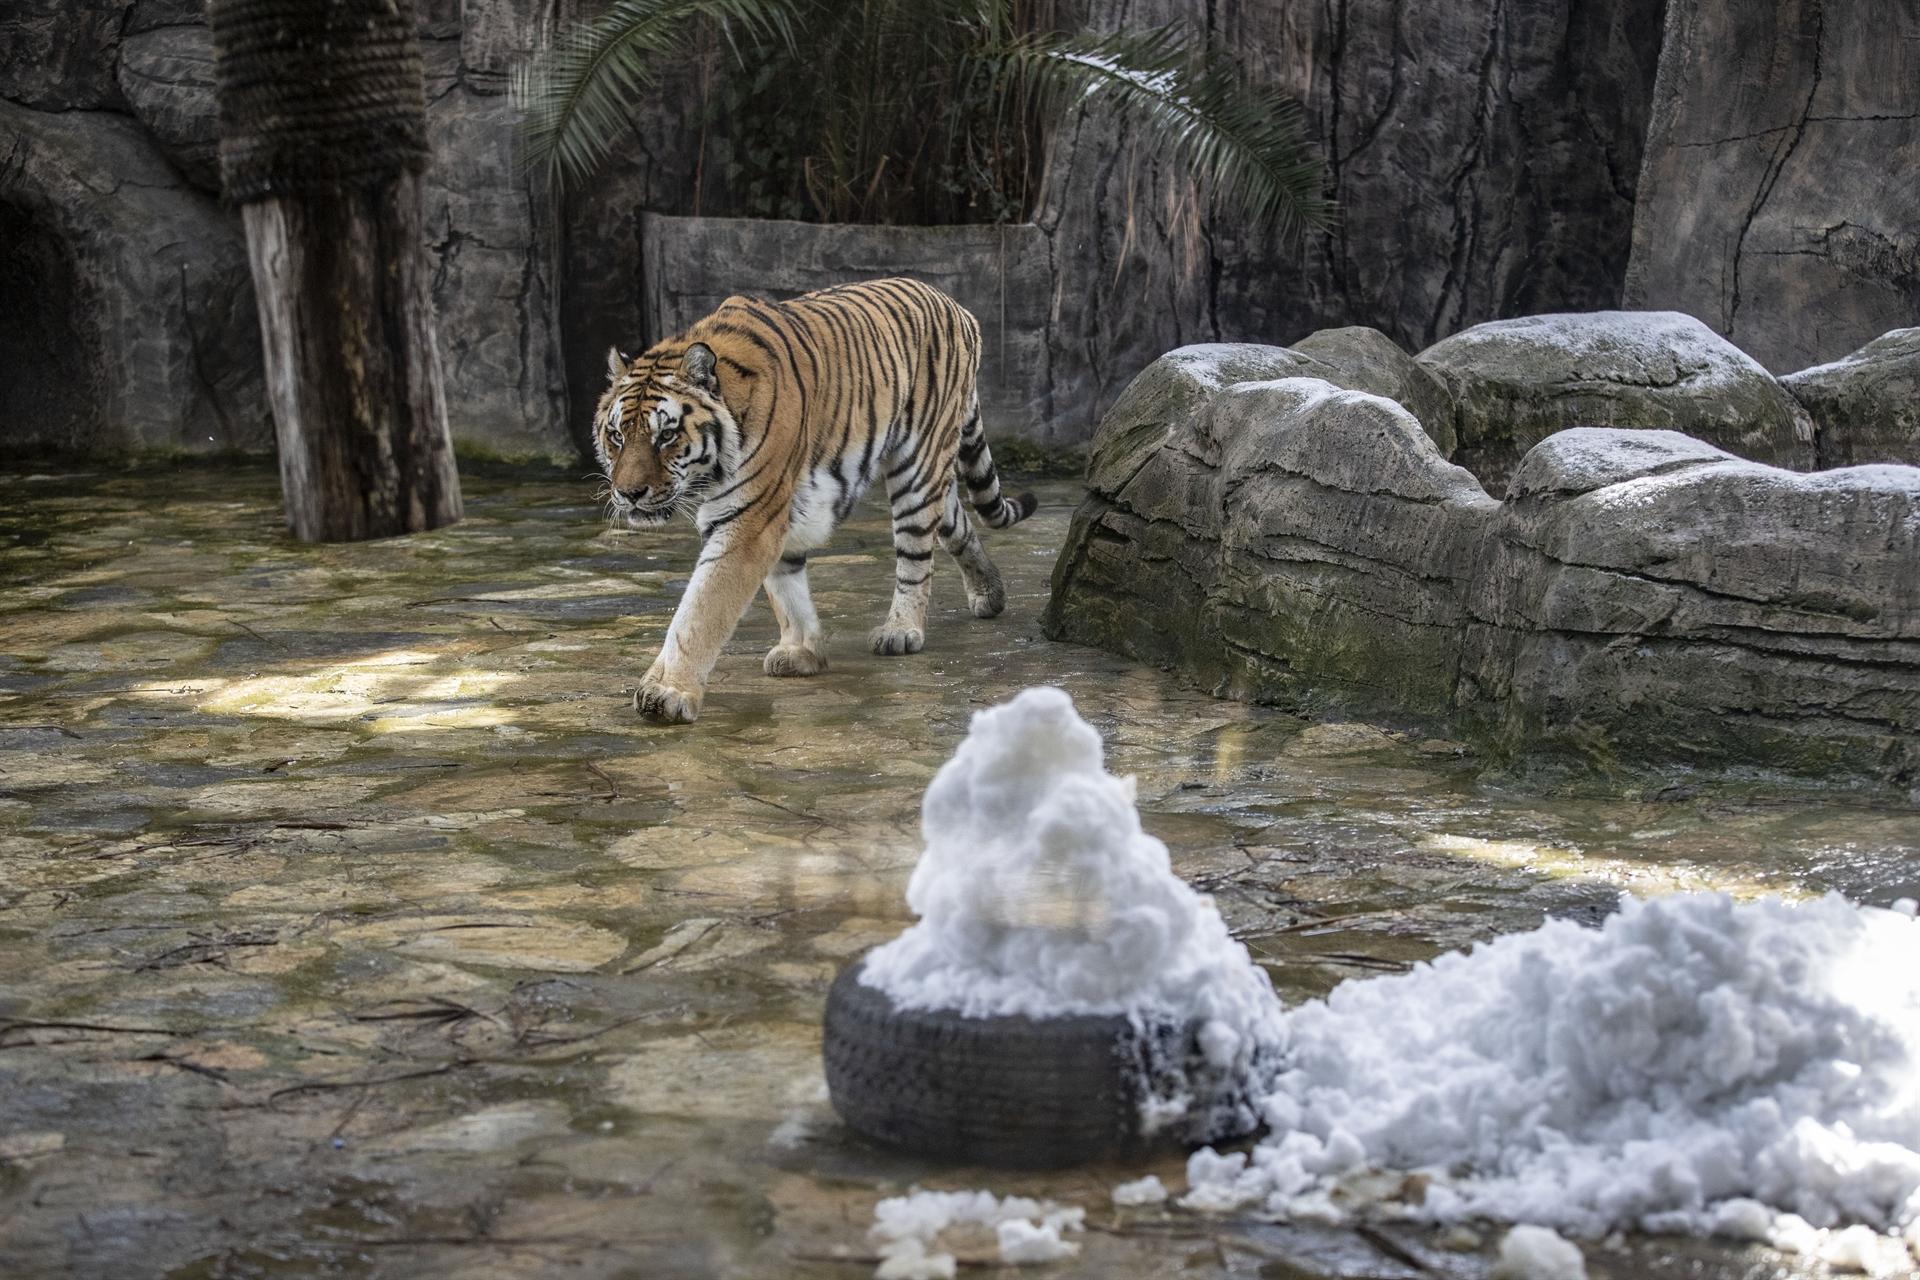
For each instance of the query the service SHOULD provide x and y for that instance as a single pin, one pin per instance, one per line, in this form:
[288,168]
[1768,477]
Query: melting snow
[1539,1253]
[1692,1065]
[1697,1065]
[1039,894]
[907,1227]
[1147,1190]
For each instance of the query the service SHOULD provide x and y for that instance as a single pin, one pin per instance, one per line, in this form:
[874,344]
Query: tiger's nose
[637,495]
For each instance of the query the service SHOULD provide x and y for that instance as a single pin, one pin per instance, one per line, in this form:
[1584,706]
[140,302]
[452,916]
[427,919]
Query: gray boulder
[1865,406]
[1515,382]
[1641,593]
[1690,605]
[1275,536]
[166,75]
[1369,360]
[1179,382]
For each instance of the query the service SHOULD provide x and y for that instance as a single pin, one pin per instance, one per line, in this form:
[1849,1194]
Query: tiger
[766,422]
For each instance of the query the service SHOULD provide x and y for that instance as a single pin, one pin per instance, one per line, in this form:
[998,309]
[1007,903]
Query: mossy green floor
[351,923]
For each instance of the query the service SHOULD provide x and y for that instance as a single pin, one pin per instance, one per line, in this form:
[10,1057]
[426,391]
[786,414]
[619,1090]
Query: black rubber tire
[1008,1092]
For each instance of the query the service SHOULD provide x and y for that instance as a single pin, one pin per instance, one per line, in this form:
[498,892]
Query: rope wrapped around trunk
[316,94]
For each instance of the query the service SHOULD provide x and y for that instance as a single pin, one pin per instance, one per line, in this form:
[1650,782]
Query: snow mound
[1039,895]
[1141,1191]
[1692,1065]
[906,1229]
[1539,1253]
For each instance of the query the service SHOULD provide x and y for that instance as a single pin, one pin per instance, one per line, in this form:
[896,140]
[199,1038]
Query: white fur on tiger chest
[811,519]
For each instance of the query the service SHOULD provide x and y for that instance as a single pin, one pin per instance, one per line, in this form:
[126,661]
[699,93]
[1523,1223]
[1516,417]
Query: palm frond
[579,94]
[1247,146]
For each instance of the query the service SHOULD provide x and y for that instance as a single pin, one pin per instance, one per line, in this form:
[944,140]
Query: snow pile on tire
[1039,895]
[1692,1065]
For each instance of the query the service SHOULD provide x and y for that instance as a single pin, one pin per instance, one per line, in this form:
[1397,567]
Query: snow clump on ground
[907,1228]
[1539,1253]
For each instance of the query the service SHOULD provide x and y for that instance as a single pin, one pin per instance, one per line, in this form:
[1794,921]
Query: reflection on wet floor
[351,923]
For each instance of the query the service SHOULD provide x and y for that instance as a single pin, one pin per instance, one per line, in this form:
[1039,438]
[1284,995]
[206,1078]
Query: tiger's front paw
[891,639]
[794,660]
[666,704]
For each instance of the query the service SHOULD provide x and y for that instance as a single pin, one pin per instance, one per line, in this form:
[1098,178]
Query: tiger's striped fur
[767,421]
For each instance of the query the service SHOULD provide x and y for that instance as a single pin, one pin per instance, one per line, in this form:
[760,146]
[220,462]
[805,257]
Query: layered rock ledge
[1638,594]
[1516,382]
[1866,406]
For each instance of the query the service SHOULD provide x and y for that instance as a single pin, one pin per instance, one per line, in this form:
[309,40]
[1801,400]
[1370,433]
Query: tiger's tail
[983,480]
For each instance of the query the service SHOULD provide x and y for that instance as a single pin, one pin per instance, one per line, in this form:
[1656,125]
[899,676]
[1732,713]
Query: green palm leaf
[1248,146]
[578,95]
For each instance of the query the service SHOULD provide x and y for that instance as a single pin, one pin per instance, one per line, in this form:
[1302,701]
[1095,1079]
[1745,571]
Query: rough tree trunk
[352,371]
[323,140]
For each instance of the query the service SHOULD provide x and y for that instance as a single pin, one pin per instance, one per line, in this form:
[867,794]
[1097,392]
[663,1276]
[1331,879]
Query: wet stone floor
[352,924]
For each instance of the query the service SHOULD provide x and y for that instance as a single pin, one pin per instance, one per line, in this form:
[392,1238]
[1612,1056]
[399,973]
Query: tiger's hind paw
[988,603]
[891,640]
[794,660]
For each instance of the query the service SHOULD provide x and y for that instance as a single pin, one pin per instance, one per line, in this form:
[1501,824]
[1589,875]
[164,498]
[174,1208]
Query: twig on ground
[35,1024]
[328,1086]
[1322,922]
[868,1259]
[798,813]
[256,635]
[205,951]
[612,787]
[1361,961]
[1391,1247]
[60,729]
[212,1073]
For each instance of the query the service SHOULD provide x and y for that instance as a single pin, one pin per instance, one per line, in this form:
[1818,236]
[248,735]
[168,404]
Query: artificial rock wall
[1779,200]
[128,320]
[1491,158]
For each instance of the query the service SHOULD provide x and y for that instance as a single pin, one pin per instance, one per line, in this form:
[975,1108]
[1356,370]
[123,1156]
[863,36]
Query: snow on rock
[1539,1253]
[1039,894]
[1141,1191]
[906,1229]
[1691,1065]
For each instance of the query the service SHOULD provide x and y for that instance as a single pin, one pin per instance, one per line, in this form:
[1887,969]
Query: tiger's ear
[696,368]
[616,364]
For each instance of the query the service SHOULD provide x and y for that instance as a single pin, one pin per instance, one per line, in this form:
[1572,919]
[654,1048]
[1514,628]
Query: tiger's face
[661,432]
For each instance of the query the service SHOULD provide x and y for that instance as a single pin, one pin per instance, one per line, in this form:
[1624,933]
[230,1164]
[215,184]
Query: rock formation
[1515,382]
[1293,541]
[1488,158]
[1484,155]
[129,320]
[1777,200]
[1866,406]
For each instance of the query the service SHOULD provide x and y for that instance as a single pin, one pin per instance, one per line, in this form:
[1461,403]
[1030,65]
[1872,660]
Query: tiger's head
[662,433]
